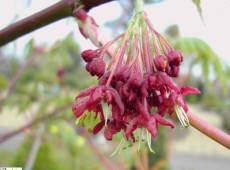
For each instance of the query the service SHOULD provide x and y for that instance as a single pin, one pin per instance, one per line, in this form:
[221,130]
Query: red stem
[209,130]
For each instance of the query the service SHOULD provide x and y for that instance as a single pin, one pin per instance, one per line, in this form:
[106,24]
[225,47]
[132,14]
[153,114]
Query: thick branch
[33,122]
[58,11]
[209,130]
[88,4]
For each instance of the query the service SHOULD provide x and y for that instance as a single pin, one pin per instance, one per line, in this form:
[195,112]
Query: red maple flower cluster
[136,83]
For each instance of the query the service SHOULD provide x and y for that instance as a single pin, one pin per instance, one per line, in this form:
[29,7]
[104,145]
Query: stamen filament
[182,116]
[118,148]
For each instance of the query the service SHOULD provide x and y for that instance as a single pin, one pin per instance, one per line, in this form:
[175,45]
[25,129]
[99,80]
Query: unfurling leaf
[199,9]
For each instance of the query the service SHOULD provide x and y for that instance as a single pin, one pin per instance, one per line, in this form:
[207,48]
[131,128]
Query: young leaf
[199,9]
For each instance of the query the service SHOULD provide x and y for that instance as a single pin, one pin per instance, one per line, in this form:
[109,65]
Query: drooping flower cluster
[136,83]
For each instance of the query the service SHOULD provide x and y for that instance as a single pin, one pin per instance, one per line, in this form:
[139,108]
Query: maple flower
[133,80]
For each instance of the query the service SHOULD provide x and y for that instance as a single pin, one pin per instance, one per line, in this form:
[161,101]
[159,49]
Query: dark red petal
[117,100]
[98,127]
[96,67]
[174,71]
[135,79]
[154,82]
[124,73]
[99,109]
[175,57]
[116,113]
[89,55]
[108,97]
[189,90]
[142,108]
[96,97]
[151,125]
[131,127]
[162,121]
[167,81]
[108,135]
[103,79]
[132,96]
[126,89]
[160,62]
[110,130]
[86,92]
[80,107]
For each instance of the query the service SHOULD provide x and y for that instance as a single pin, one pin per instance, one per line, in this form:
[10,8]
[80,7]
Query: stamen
[182,116]
[148,136]
[118,148]
[139,142]
[106,119]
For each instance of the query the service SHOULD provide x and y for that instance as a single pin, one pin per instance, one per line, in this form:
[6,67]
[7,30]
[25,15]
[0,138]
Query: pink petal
[151,125]
[189,90]
[162,121]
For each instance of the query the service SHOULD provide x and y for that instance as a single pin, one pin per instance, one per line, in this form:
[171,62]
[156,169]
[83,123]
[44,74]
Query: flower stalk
[209,130]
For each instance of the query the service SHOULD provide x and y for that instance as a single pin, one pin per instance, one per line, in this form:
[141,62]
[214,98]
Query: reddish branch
[209,130]
[60,10]
[33,122]
[108,165]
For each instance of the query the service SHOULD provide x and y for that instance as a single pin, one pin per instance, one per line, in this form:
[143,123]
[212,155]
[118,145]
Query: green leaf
[199,9]
[3,82]
[199,52]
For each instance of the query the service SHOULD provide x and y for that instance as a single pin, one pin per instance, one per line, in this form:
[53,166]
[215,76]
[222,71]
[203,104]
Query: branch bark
[60,10]
[209,130]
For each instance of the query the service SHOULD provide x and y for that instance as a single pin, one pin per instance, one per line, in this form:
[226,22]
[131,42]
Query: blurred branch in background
[34,122]
[35,147]
[104,160]
[14,79]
